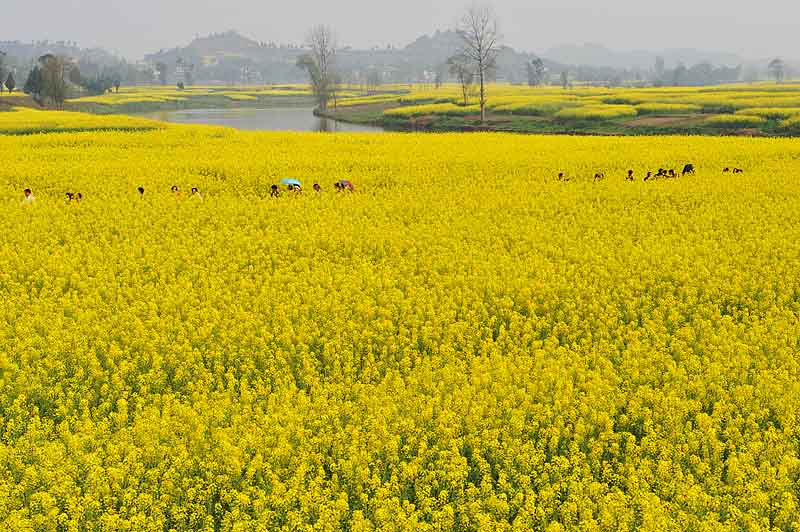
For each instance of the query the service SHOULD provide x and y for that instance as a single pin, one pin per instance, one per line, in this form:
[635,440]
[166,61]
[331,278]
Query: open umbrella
[293,182]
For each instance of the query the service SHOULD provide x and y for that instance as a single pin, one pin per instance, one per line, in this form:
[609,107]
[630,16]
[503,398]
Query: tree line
[51,78]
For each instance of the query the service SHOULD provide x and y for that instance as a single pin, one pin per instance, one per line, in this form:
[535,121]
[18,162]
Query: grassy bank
[192,102]
[132,100]
[745,110]
[150,99]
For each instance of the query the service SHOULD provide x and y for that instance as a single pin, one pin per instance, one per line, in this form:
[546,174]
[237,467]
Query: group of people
[295,187]
[176,191]
[662,173]
[275,191]
[28,197]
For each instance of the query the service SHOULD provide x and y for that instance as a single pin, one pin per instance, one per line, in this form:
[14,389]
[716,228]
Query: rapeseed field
[463,343]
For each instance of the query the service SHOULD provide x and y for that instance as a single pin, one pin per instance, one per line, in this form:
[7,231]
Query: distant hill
[21,56]
[228,42]
[596,55]
[233,58]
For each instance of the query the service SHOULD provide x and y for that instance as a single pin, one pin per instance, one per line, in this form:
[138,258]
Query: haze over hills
[223,56]
[230,57]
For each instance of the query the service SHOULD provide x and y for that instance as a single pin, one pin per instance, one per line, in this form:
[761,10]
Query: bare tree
[53,71]
[478,32]
[536,71]
[162,70]
[461,68]
[320,64]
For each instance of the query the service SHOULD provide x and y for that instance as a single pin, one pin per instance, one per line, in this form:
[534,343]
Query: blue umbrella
[293,182]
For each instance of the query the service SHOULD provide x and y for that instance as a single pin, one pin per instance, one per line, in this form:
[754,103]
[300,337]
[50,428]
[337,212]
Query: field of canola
[462,344]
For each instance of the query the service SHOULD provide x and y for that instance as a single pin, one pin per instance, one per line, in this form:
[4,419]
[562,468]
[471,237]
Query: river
[272,119]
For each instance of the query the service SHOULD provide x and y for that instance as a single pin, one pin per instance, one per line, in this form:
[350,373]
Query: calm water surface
[275,119]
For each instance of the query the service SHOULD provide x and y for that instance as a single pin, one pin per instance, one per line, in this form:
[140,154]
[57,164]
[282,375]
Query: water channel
[272,119]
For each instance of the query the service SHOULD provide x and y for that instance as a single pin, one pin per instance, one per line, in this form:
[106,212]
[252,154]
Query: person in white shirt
[29,198]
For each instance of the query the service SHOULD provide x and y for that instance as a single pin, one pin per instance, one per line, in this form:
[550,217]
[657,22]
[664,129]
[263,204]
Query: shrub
[667,108]
[447,109]
[596,112]
[733,121]
[771,112]
[791,125]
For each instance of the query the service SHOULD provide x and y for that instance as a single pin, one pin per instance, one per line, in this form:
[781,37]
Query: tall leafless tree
[320,64]
[480,44]
[54,71]
[461,68]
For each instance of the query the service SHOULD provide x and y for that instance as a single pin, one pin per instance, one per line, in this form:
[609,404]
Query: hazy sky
[135,27]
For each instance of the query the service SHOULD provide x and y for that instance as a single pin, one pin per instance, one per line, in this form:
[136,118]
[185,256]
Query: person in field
[70,196]
[78,197]
[141,192]
[344,186]
[29,197]
[175,190]
[317,188]
[274,192]
[196,193]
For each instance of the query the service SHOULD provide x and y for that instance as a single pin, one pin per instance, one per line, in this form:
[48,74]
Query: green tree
[536,71]
[777,69]
[162,71]
[659,69]
[2,70]
[373,79]
[679,75]
[97,85]
[75,75]
[33,85]
[11,83]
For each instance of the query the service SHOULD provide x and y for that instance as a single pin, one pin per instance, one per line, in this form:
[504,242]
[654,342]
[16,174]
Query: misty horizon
[132,31]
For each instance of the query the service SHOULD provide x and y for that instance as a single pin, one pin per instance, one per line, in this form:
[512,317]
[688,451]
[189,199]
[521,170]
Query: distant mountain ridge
[230,57]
